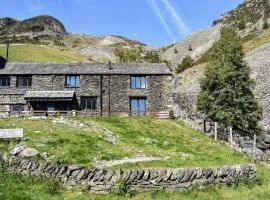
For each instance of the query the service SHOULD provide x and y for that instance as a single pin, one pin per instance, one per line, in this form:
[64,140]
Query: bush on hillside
[186,63]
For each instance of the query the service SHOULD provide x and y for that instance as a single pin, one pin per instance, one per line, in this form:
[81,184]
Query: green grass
[257,41]
[146,136]
[39,53]
[138,136]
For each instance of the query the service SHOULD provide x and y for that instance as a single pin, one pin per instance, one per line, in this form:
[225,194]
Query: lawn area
[137,136]
[39,53]
[74,145]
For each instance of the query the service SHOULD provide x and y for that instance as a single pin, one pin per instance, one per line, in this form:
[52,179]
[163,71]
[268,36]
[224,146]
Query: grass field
[39,53]
[137,136]
[153,137]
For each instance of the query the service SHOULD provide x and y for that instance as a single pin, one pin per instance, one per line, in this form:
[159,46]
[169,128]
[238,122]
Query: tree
[186,63]
[136,55]
[152,57]
[125,54]
[226,90]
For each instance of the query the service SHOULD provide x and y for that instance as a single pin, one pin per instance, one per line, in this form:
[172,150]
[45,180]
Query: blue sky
[154,22]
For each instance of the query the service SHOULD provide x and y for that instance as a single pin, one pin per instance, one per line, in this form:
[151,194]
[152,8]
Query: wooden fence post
[216,131]
[181,115]
[204,126]
[231,137]
[254,148]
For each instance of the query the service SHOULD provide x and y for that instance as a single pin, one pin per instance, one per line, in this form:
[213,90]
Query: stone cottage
[101,89]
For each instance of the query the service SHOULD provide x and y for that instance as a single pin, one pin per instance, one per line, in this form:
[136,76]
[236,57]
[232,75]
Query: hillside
[49,31]
[39,53]
[137,137]
[251,19]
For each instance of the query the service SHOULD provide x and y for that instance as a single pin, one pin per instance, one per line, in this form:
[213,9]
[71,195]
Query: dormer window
[4,81]
[72,81]
[138,82]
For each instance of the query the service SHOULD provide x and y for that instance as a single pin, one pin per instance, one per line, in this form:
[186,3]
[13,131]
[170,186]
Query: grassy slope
[138,136]
[143,135]
[39,53]
[257,41]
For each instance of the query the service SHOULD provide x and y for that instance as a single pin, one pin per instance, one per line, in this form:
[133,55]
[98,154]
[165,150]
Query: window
[16,109]
[72,81]
[138,82]
[24,81]
[89,103]
[5,81]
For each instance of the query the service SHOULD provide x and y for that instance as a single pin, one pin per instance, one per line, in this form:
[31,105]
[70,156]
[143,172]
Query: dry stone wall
[107,180]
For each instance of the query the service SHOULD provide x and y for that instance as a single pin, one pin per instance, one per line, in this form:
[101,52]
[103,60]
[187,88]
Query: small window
[16,109]
[24,81]
[72,81]
[89,103]
[138,82]
[4,81]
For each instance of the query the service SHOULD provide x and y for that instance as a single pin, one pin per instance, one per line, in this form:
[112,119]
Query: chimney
[7,51]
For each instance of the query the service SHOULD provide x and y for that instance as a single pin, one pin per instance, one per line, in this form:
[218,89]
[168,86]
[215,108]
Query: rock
[45,155]
[29,152]
[267,138]
[81,125]
[16,151]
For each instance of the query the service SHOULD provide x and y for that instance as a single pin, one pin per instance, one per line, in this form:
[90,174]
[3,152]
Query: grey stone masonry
[111,88]
[107,180]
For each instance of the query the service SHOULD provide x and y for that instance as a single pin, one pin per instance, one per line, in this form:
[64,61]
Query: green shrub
[186,63]
[53,186]
[152,57]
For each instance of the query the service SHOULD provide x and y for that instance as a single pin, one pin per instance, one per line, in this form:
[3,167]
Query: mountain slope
[193,45]
[39,53]
[249,17]
[49,31]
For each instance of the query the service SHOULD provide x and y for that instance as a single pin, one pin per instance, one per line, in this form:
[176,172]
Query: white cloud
[176,19]
[162,17]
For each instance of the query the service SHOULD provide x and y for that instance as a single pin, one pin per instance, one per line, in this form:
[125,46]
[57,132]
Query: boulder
[17,150]
[29,152]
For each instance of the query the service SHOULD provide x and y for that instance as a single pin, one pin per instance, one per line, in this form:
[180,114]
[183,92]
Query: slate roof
[33,68]
[49,94]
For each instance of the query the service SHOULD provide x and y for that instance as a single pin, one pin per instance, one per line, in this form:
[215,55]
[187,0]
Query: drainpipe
[110,68]
[7,49]
[101,95]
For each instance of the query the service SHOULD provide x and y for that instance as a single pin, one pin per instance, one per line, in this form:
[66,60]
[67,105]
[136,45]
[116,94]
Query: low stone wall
[107,180]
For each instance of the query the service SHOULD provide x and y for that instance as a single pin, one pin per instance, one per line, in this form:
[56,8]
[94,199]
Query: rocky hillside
[194,45]
[31,29]
[252,16]
[49,31]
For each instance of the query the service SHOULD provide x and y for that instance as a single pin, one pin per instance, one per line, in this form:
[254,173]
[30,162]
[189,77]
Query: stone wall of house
[158,91]
[107,180]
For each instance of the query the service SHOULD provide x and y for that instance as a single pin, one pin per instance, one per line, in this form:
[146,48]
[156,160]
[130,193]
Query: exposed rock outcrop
[251,16]
[40,25]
